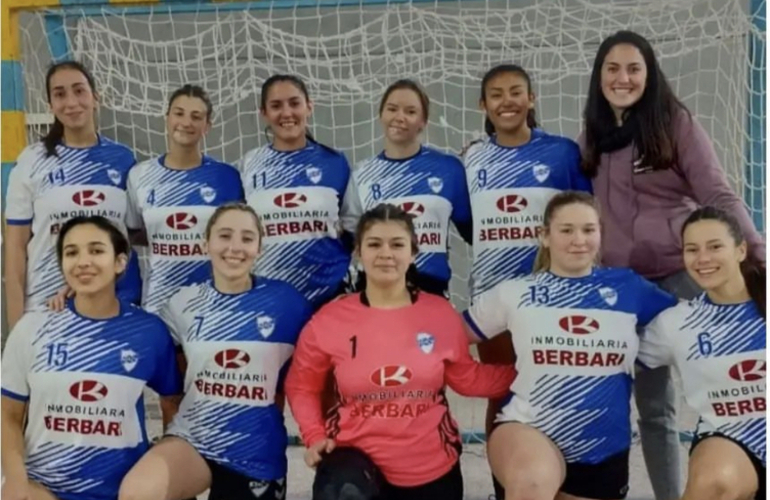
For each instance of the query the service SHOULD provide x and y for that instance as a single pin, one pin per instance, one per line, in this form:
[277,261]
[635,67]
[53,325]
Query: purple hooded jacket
[643,213]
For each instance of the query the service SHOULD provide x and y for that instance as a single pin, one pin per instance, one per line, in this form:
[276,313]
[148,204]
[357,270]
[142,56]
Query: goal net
[349,52]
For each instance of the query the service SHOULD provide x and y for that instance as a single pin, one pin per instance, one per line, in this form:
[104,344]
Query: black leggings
[349,474]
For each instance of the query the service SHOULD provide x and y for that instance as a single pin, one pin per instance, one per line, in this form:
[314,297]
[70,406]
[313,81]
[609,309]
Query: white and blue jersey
[720,354]
[174,206]
[47,191]
[429,185]
[300,196]
[238,349]
[576,342]
[509,189]
[83,380]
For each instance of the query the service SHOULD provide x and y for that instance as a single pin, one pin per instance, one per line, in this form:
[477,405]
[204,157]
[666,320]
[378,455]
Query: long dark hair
[192,91]
[385,212]
[653,115]
[754,272]
[56,132]
[119,240]
[294,80]
[489,128]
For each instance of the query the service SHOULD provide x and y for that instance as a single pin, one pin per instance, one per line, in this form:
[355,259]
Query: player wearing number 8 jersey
[73,381]
[298,187]
[426,183]
[565,425]
[171,198]
[717,343]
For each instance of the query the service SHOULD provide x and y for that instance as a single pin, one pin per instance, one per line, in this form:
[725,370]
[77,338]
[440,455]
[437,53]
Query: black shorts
[349,473]
[607,480]
[759,468]
[226,484]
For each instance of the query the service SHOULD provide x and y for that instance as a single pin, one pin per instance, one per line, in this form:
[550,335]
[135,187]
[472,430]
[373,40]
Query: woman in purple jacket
[652,164]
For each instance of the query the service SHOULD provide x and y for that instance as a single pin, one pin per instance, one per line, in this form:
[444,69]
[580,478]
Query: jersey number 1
[353,346]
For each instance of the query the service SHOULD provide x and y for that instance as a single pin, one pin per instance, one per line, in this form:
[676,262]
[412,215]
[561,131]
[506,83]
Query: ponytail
[53,137]
[542,260]
[755,276]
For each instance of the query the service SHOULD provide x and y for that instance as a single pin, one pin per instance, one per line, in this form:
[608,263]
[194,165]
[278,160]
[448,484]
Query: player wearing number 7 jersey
[566,424]
[717,343]
[426,183]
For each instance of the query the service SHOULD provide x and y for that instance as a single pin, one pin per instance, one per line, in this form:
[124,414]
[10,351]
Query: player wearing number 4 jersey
[717,343]
[565,425]
[426,183]
[392,350]
[72,381]
[172,197]
[298,187]
[237,334]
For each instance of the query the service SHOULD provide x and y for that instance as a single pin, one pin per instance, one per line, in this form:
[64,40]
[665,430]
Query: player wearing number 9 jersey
[717,343]
[171,198]
[298,187]
[426,183]
[73,381]
[73,171]
[566,424]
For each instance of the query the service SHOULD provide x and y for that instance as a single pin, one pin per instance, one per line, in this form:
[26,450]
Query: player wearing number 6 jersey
[72,381]
[298,187]
[426,183]
[392,350]
[171,198]
[717,343]
[565,426]
[237,334]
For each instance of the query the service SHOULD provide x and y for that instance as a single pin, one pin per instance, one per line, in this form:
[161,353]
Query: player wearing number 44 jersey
[75,378]
[717,343]
[172,197]
[566,425]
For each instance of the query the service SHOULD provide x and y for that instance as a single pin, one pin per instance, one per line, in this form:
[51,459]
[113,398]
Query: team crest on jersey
[435,184]
[258,488]
[314,174]
[610,295]
[128,358]
[541,172]
[265,325]
[426,342]
[114,176]
[208,194]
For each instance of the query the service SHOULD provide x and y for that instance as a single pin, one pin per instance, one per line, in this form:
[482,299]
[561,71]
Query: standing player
[652,164]
[426,183]
[237,334]
[566,424]
[298,187]
[72,410]
[717,342]
[72,171]
[171,198]
[392,351]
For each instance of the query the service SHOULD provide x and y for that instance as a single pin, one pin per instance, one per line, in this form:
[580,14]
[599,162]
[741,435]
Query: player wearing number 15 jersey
[171,198]
[298,187]
[717,343]
[73,380]
[511,176]
[426,183]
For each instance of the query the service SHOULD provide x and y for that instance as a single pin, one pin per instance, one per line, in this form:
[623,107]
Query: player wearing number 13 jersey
[717,343]
[511,176]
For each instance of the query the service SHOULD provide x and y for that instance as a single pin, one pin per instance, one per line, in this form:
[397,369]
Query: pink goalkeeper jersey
[391,367]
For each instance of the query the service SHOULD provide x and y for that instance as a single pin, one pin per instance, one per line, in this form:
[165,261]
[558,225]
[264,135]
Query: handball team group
[600,266]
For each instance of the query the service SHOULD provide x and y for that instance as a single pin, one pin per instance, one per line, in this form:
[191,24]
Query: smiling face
[187,121]
[507,101]
[402,117]
[624,77]
[573,239]
[286,111]
[386,253]
[234,244]
[71,99]
[711,256]
[88,260]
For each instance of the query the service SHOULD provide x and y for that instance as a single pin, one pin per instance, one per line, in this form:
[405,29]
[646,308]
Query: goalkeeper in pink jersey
[393,351]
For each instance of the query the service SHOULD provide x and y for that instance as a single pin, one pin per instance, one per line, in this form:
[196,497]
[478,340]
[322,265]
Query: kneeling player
[717,343]
[78,375]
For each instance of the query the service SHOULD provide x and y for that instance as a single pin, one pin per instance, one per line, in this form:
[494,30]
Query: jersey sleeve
[578,180]
[488,316]
[134,211]
[461,202]
[20,192]
[351,209]
[655,348]
[167,378]
[652,300]
[17,358]
[305,382]
[172,314]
